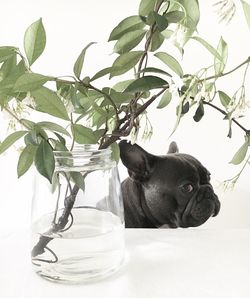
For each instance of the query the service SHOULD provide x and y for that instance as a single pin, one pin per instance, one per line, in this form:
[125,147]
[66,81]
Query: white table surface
[193,263]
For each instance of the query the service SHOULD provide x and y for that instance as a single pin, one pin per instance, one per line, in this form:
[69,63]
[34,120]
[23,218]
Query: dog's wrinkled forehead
[184,165]
[142,165]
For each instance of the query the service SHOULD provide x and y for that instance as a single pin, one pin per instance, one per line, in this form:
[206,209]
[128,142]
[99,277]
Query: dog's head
[176,187]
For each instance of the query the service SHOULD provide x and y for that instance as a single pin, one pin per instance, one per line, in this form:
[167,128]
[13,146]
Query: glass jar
[78,220]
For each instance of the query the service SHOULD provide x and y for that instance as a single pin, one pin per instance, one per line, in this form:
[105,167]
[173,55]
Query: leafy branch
[86,114]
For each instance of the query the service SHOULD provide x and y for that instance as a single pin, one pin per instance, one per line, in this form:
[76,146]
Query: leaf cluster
[86,114]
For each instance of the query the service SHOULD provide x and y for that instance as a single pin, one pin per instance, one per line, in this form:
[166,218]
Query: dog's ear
[173,148]
[139,162]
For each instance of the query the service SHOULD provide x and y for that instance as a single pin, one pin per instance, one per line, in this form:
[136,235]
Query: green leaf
[62,142]
[30,81]
[211,49]
[157,41]
[53,127]
[150,20]
[44,160]
[155,70]
[128,41]
[246,8]
[8,66]
[34,41]
[25,160]
[193,15]
[167,33]
[6,53]
[160,21]
[125,62]
[27,123]
[192,9]
[121,86]
[199,112]
[230,131]
[117,97]
[129,24]
[185,108]
[11,139]
[7,84]
[98,120]
[79,62]
[101,73]
[115,155]
[78,179]
[171,62]
[222,49]
[87,101]
[241,153]
[179,116]
[146,83]
[32,138]
[3,100]
[224,99]
[165,100]
[82,134]
[174,16]
[99,133]
[60,145]
[48,102]
[146,6]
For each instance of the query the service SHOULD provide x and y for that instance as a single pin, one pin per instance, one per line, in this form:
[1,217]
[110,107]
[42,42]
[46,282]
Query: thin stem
[46,261]
[104,133]
[65,81]
[68,181]
[245,75]
[148,41]
[58,198]
[226,73]
[233,180]
[128,119]
[72,123]
[247,131]
[150,101]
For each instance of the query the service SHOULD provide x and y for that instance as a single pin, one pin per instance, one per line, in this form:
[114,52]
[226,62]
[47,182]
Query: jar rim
[83,150]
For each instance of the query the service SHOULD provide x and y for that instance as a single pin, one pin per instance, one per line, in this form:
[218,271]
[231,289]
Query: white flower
[225,10]
[69,107]
[28,101]
[179,36]
[175,86]
[198,97]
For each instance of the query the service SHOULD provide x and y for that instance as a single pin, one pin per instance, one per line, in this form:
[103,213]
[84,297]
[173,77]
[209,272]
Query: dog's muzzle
[202,205]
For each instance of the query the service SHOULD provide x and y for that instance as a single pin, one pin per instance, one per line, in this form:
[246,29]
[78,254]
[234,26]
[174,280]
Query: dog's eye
[187,188]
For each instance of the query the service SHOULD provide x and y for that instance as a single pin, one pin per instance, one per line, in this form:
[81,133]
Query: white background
[70,25]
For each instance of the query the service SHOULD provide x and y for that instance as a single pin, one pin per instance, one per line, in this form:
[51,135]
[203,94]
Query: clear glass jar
[78,220]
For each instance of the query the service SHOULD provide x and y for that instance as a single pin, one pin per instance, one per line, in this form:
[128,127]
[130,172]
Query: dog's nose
[205,192]
[205,205]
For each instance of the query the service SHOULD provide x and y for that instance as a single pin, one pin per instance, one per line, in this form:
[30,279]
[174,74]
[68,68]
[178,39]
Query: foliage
[102,116]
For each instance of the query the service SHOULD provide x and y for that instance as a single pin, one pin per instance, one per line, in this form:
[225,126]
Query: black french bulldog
[165,191]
